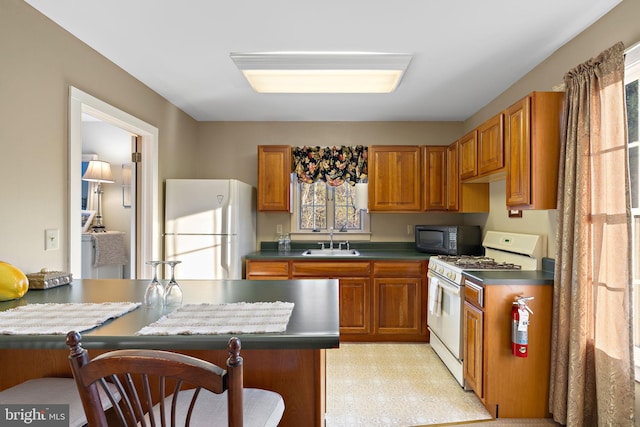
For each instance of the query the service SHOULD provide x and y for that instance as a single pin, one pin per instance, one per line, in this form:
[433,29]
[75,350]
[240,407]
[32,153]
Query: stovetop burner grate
[478,262]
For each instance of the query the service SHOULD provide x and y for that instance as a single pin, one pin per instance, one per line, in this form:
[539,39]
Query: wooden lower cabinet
[379,300]
[508,386]
[397,309]
[355,305]
[266,270]
[472,347]
[400,299]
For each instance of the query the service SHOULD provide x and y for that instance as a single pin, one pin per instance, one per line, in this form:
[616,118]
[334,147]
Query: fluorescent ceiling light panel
[322,72]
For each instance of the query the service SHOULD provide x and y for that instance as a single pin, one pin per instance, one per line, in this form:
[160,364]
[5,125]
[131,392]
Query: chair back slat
[192,404]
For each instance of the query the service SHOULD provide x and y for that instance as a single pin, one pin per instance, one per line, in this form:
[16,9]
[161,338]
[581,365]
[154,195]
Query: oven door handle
[447,287]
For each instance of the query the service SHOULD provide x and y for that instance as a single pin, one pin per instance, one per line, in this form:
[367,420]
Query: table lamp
[98,171]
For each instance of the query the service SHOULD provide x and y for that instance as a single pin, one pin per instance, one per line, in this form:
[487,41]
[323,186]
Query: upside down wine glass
[173,293]
[154,295]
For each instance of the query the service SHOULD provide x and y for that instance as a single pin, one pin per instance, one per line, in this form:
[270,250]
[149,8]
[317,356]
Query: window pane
[346,216]
[631,93]
[633,177]
[313,202]
[320,218]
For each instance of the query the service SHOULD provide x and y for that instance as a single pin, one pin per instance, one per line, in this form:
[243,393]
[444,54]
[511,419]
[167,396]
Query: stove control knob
[440,270]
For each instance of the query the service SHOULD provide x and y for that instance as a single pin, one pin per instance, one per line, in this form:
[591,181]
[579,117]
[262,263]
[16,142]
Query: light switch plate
[51,239]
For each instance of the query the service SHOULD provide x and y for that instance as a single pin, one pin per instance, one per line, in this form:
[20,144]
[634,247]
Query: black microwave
[449,239]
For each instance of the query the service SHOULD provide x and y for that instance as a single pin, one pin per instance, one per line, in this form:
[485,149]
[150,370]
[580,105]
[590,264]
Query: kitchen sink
[331,252]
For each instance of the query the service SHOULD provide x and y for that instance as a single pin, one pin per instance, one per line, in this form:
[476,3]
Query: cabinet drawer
[398,269]
[267,268]
[474,294]
[330,269]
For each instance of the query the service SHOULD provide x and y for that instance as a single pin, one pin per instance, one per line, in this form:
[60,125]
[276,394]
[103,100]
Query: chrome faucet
[331,238]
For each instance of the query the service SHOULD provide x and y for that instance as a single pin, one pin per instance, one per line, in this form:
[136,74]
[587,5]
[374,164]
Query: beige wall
[40,61]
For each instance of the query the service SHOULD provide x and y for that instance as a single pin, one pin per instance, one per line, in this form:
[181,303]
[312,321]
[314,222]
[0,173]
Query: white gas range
[503,251]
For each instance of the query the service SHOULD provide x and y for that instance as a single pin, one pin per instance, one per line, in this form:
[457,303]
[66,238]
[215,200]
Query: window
[632,90]
[318,207]
[325,196]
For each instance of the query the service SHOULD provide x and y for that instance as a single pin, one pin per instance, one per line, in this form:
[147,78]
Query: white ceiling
[466,52]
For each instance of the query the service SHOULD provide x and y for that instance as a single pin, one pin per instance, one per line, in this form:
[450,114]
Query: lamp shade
[98,171]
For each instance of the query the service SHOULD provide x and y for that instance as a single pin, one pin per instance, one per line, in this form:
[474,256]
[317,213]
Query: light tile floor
[394,385]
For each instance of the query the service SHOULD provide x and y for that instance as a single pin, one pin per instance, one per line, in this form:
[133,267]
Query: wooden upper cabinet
[467,155]
[274,170]
[463,197]
[395,178]
[532,139]
[434,173]
[453,179]
[491,145]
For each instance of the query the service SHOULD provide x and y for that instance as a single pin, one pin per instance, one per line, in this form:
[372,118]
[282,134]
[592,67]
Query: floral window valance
[333,165]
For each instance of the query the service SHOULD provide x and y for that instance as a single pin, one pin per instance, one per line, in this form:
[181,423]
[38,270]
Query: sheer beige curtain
[591,372]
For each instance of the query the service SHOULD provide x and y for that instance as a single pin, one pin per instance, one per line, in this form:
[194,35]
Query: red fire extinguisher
[520,326]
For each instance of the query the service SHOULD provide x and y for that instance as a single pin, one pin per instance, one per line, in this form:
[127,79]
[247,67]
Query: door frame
[149,230]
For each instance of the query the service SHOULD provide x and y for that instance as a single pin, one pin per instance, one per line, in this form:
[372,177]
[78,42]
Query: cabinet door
[274,170]
[434,160]
[472,348]
[453,179]
[532,143]
[267,270]
[467,155]
[398,305]
[491,145]
[394,178]
[355,306]
[518,140]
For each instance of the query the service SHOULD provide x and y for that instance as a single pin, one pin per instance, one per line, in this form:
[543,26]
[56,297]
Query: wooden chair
[161,388]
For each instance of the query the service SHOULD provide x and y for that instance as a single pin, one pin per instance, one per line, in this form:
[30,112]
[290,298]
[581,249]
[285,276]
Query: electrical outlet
[278,228]
[409,229]
[51,239]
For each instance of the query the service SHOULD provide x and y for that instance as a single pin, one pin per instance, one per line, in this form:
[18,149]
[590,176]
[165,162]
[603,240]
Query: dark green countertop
[314,322]
[510,277]
[368,251]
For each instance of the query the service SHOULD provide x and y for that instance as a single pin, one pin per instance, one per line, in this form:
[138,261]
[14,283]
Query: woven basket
[46,279]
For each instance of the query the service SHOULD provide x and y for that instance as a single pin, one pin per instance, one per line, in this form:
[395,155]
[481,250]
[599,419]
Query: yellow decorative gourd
[13,282]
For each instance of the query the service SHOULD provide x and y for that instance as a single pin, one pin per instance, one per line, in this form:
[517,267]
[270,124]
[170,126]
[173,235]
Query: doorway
[147,240]
[113,145]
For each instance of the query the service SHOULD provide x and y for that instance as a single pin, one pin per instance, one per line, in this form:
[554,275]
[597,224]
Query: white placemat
[58,319]
[232,318]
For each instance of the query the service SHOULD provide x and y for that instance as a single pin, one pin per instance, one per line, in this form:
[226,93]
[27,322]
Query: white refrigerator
[210,225]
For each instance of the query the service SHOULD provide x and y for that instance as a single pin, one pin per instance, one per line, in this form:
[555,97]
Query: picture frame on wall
[87,219]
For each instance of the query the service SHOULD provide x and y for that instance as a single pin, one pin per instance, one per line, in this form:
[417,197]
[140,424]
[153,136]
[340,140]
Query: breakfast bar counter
[290,362]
